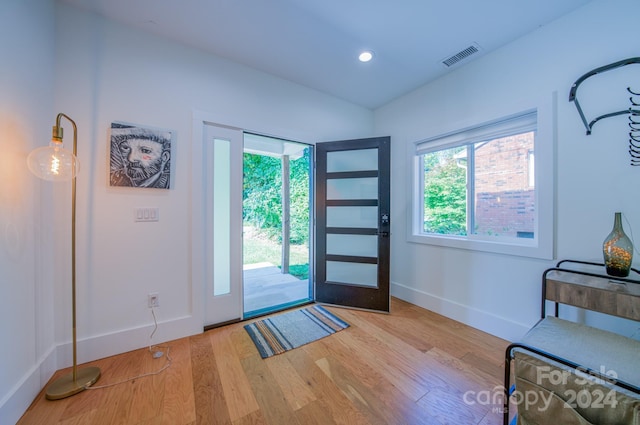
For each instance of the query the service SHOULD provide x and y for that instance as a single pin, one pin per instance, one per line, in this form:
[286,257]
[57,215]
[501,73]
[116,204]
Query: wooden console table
[595,291]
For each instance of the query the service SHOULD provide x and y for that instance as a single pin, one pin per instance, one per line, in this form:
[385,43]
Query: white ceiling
[315,43]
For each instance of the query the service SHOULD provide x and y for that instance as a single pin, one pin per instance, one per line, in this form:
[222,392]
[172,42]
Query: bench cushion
[587,346]
[548,391]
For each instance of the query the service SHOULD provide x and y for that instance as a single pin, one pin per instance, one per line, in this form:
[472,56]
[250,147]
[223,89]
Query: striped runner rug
[286,331]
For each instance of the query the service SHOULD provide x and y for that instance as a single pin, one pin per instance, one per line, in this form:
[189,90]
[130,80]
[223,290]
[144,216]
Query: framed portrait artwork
[140,157]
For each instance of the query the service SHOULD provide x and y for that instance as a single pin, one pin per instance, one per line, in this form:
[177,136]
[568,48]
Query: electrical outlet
[153,300]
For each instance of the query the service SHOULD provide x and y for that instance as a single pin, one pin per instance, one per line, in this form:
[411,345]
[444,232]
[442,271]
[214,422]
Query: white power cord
[158,353]
[155,354]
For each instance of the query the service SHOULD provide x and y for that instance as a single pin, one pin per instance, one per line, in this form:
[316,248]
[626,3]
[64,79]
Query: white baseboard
[16,402]
[101,346]
[479,319]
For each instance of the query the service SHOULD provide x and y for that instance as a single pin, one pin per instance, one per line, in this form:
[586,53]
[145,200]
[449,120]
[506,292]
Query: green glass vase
[618,250]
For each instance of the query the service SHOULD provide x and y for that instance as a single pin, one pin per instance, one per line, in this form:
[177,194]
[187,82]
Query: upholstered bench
[568,373]
[553,379]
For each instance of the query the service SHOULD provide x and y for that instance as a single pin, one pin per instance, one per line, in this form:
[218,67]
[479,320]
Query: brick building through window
[504,200]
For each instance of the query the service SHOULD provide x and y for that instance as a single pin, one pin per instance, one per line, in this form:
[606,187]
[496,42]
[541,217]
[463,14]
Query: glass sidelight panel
[358,217]
[217,215]
[356,245]
[221,217]
[352,273]
[359,188]
[352,160]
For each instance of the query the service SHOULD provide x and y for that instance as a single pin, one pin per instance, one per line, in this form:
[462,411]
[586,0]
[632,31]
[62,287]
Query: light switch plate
[146,214]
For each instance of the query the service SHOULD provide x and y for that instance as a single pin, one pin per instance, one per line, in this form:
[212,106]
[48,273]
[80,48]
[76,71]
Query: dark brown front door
[353,223]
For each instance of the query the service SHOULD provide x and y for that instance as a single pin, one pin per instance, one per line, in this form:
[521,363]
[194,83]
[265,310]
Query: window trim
[542,245]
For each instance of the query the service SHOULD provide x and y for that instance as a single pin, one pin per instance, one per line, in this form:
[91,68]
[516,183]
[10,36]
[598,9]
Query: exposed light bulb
[53,162]
[55,165]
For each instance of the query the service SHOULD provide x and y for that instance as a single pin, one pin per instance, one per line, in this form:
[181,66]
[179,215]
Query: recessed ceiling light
[366,56]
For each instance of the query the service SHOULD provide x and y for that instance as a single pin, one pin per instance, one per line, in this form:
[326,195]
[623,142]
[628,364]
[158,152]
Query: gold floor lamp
[54,163]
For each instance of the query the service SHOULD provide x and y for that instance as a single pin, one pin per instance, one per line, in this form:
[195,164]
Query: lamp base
[65,386]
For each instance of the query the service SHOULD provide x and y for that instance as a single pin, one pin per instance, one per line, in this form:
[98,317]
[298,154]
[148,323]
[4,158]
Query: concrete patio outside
[266,286]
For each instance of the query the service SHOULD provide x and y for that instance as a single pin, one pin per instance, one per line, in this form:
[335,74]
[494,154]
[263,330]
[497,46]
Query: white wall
[106,72]
[501,293]
[26,310]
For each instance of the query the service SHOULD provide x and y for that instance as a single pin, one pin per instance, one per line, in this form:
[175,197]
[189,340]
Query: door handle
[383,234]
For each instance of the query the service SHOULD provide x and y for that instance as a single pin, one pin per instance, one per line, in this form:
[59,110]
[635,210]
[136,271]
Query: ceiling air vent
[463,54]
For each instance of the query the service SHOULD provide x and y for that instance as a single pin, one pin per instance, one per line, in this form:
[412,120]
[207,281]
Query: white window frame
[542,244]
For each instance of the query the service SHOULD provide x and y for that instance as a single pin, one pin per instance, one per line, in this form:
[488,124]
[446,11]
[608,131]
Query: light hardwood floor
[409,367]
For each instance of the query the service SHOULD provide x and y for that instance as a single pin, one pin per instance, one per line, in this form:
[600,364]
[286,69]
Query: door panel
[363,245]
[360,188]
[351,217]
[352,273]
[352,160]
[352,223]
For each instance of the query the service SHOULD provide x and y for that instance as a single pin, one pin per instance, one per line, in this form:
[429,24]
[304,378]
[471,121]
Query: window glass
[445,191]
[504,199]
